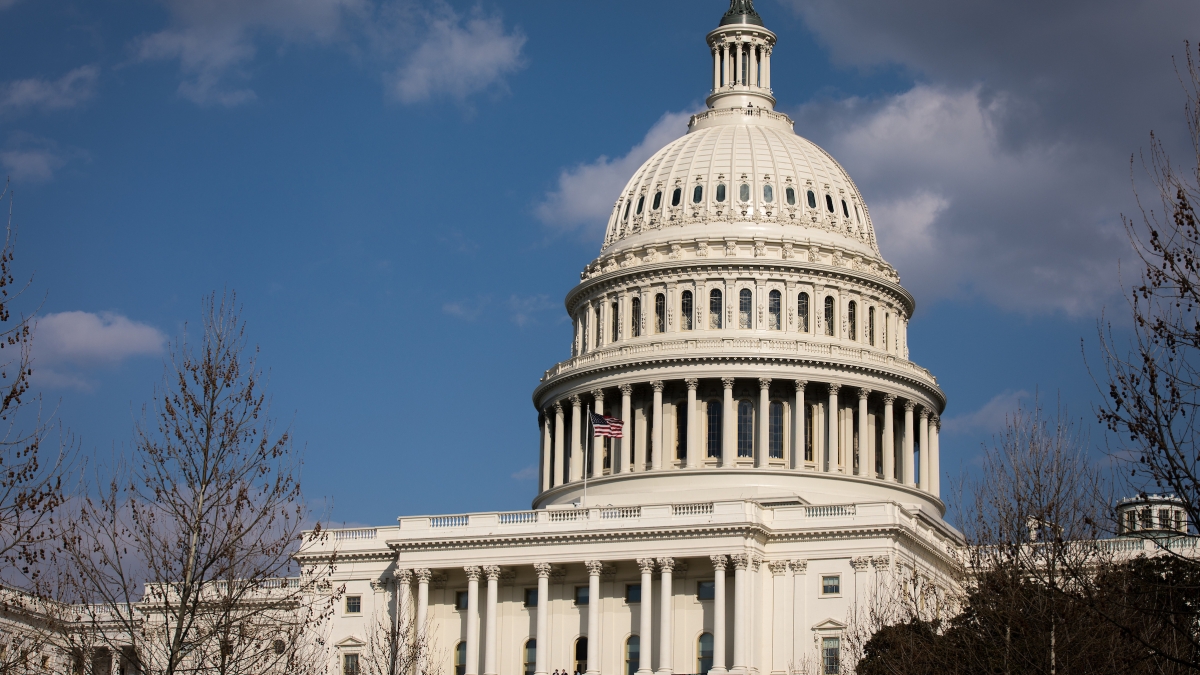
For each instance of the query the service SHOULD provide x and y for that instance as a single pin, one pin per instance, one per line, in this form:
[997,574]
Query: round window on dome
[720,192]
[828,204]
[768,194]
[657,201]
[790,194]
[812,199]
[845,209]
[676,196]
[642,202]
[697,194]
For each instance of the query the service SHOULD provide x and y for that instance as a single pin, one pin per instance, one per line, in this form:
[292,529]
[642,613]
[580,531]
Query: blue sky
[402,192]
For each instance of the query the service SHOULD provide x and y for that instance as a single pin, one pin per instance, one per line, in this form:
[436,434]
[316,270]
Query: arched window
[720,192]
[768,194]
[632,654]
[616,321]
[697,194]
[627,205]
[871,326]
[676,196]
[658,200]
[635,317]
[660,313]
[829,315]
[812,199]
[530,656]
[599,324]
[685,310]
[744,192]
[745,308]
[715,311]
[704,653]
[857,217]
[581,655]
[774,311]
[641,203]
[775,431]
[828,204]
[808,433]
[802,312]
[790,194]
[852,319]
[745,429]
[681,426]
[845,209]
[460,658]
[883,331]
[713,411]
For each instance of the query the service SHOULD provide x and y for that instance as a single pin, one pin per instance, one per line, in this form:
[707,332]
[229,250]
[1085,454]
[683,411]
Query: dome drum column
[906,457]
[830,460]
[889,439]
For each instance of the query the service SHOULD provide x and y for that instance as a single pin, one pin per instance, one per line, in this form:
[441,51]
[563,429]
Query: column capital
[740,561]
[598,394]
[764,383]
[778,567]
[423,574]
[881,562]
[935,421]
[801,384]
[667,565]
[646,565]
[719,562]
[657,386]
[924,413]
[492,572]
[727,382]
[625,389]
[860,564]
[863,393]
[755,562]
[909,405]
[692,383]
[889,399]
[574,398]
[594,567]
[542,569]
[558,407]
[798,566]
[473,572]
[404,576]
[833,388]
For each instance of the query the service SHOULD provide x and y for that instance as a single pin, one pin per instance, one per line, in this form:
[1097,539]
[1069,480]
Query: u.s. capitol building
[780,452]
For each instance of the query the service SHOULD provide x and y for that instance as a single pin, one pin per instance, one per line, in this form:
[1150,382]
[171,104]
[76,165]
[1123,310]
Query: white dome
[768,173]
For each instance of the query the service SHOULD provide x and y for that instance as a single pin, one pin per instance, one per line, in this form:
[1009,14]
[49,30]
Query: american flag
[603,425]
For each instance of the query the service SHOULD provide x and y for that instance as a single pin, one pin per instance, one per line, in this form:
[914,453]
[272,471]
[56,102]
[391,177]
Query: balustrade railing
[620,512]
[829,511]
[363,533]
[449,521]
[702,509]
[568,515]
[518,517]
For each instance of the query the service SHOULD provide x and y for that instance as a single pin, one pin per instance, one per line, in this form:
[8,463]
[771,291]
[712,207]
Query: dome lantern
[741,49]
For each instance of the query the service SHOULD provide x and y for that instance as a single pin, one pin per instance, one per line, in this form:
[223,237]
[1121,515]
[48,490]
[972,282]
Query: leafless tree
[395,646]
[189,547]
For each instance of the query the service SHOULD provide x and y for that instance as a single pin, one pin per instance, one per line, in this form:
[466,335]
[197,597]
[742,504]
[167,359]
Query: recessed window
[641,203]
[745,308]
[828,204]
[871,326]
[460,658]
[635,312]
[627,205]
[697,194]
[354,604]
[633,593]
[461,600]
[704,653]
[831,655]
[660,313]
[350,664]
[812,201]
[531,597]
[852,319]
[720,192]
[775,431]
[616,321]
[706,590]
[677,196]
[658,201]
[681,426]
[845,209]
[774,310]
[831,584]
[713,416]
[802,312]
[790,194]
[633,654]
[686,310]
[581,595]
[768,194]
[581,663]
[745,428]
[530,653]
[744,192]
[829,315]
[715,311]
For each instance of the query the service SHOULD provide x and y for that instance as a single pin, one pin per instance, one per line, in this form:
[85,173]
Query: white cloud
[457,57]
[990,418]
[67,91]
[30,159]
[586,193]
[5,4]
[524,308]
[528,473]
[468,310]
[67,345]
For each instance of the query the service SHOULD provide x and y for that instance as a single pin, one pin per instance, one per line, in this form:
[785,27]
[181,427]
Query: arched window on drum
[802,312]
[829,315]
[685,310]
[852,320]
[635,317]
[746,308]
[660,313]
[745,428]
[616,321]
[715,309]
[704,653]
[871,326]
[774,310]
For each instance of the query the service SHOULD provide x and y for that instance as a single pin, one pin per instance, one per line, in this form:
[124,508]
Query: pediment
[829,624]
[350,643]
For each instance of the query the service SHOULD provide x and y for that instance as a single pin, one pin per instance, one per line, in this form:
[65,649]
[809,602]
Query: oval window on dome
[627,205]
[697,194]
[857,217]
[720,192]
[845,209]
[744,192]
[768,194]
[657,201]
[812,199]
[828,204]
[676,196]
[641,203]
[790,194]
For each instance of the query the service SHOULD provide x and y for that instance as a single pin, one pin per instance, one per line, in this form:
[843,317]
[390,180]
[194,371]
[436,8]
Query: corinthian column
[832,458]
[547,451]
[644,629]
[489,637]
[923,434]
[935,457]
[656,440]
[889,439]
[423,575]
[728,425]
[598,443]
[626,454]
[472,667]
[718,665]
[543,616]
[693,438]
[560,446]
[907,455]
[798,426]
[764,422]
[740,562]
[593,627]
[863,445]
[716,52]
[576,436]
[665,633]
[403,591]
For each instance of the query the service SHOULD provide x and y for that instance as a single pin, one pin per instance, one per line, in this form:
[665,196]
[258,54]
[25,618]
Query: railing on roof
[361,533]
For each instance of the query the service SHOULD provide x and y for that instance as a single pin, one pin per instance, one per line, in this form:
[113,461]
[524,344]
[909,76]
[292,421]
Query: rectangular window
[349,664]
[581,595]
[745,429]
[776,430]
[831,585]
[871,326]
[831,657]
[531,597]
[461,600]
[636,317]
[616,322]
[681,426]
[714,428]
[706,590]
[1164,519]
[660,313]
[354,604]
[808,433]
[633,593]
